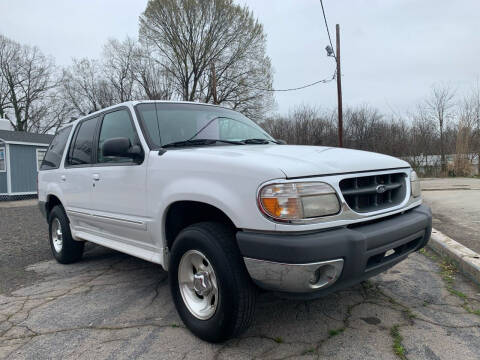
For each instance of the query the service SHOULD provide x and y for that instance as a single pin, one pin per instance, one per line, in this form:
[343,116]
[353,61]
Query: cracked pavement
[115,306]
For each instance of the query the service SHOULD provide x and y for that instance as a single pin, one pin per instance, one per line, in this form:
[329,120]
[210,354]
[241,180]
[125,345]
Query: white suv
[225,208]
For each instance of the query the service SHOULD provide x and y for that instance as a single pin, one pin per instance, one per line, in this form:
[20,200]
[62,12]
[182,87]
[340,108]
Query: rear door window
[81,148]
[54,154]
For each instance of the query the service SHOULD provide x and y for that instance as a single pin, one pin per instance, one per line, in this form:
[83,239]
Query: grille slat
[375,192]
[369,189]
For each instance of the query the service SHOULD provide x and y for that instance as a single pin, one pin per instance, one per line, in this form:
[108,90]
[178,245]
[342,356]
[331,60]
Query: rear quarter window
[54,154]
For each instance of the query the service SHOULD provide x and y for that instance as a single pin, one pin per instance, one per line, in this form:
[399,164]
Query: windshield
[166,123]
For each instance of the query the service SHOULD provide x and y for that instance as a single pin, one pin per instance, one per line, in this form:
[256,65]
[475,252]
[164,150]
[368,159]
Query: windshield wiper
[260,141]
[194,142]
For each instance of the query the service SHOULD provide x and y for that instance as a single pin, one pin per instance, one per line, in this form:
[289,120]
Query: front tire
[210,286]
[64,248]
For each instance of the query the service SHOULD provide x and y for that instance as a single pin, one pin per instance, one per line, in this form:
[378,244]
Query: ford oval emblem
[381,189]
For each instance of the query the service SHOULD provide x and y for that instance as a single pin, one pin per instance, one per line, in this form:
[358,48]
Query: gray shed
[21,155]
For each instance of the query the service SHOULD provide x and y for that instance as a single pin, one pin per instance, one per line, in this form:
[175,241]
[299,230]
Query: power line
[328,31]
[323,81]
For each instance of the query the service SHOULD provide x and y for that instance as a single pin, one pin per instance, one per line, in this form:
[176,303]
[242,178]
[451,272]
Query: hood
[301,161]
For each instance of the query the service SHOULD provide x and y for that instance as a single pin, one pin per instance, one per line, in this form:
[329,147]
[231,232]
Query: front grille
[376,192]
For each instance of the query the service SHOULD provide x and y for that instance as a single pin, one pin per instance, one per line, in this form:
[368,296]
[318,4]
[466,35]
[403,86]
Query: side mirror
[121,147]
[116,147]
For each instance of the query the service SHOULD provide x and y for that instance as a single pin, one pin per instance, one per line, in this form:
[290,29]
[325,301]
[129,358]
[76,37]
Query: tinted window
[114,125]
[167,123]
[54,154]
[81,152]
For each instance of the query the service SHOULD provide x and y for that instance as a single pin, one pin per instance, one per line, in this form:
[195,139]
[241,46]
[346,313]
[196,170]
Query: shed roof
[24,137]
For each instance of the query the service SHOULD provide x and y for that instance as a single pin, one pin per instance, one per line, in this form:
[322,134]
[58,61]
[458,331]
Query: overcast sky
[392,50]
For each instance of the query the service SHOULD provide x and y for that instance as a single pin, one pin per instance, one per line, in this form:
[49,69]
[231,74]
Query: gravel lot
[23,241]
[114,306]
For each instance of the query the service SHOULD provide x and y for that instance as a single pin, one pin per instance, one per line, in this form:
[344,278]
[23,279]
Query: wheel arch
[52,200]
[182,213]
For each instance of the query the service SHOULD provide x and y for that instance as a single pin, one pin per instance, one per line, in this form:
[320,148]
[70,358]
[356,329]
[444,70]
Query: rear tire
[64,248]
[208,251]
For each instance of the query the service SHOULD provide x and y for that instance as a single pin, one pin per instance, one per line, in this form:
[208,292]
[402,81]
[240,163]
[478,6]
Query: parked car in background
[225,208]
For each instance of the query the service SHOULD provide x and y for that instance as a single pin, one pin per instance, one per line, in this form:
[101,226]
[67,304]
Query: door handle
[63,178]
[96,177]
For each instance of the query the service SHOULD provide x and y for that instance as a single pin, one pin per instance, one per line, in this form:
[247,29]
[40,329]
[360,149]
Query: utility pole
[339,90]
[214,83]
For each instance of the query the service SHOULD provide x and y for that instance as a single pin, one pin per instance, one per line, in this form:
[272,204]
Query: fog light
[316,276]
[325,275]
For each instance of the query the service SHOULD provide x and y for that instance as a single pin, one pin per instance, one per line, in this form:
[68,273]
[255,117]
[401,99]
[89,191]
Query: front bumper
[313,264]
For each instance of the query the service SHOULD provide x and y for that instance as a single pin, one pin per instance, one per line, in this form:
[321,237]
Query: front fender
[237,202]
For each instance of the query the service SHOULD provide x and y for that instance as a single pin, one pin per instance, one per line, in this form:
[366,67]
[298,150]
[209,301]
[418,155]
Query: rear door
[75,179]
[118,186]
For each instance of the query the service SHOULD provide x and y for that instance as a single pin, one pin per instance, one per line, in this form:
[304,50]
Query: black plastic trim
[353,244]
[345,173]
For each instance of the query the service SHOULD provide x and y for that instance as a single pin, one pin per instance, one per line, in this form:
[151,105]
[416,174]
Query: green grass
[448,270]
[458,293]
[308,351]
[471,311]
[397,346]
[278,340]
[409,314]
[429,254]
[335,332]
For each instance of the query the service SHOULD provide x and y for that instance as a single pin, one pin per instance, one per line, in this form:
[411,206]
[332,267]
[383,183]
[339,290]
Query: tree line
[182,44]
[443,124]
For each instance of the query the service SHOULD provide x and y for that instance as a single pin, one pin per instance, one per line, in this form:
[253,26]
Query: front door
[118,187]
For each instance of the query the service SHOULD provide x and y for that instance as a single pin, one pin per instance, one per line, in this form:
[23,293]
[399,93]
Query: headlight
[298,201]
[415,185]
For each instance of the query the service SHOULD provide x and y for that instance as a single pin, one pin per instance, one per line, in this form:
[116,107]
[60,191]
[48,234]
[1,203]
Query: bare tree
[154,81]
[191,35]
[423,141]
[118,62]
[27,80]
[134,73]
[471,114]
[85,87]
[440,107]
[4,96]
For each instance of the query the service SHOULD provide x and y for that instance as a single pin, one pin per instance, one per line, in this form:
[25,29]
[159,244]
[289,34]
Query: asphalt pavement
[114,306]
[455,204]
